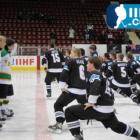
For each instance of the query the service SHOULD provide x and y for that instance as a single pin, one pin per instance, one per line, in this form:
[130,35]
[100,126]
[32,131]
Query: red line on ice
[42,121]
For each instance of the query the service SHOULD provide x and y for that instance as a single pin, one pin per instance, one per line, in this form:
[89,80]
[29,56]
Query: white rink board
[24,61]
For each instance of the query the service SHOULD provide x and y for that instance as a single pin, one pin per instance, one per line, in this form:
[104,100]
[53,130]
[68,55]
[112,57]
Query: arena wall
[33,63]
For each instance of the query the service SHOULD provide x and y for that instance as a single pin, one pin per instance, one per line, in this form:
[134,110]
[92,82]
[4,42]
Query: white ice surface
[24,125]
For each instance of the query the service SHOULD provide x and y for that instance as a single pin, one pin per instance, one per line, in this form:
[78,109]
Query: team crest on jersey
[133,62]
[94,77]
[66,67]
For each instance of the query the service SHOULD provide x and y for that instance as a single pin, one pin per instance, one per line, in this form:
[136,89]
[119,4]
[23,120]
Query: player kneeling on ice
[73,86]
[99,106]
[134,73]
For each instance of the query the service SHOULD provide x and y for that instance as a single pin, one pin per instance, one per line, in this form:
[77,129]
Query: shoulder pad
[134,62]
[103,64]
[66,67]
[94,77]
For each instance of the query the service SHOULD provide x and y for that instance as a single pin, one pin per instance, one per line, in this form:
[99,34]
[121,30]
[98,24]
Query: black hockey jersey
[54,59]
[120,73]
[106,68]
[73,74]
[133,67]
[85,57]
[97,90]
[67,58]
[94,54]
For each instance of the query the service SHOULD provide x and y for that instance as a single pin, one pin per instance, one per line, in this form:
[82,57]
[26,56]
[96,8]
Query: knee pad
[58,105]
[67,114]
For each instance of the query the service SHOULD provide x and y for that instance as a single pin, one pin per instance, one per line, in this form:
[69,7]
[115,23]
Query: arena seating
[16,21]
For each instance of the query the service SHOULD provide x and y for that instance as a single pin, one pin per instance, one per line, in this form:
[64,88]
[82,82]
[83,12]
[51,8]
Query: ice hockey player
[6,88]
[54,60]
[120,82]
[73,86]
[99,107]
[134,73]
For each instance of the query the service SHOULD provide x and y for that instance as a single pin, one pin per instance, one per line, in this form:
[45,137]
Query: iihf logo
[123,16]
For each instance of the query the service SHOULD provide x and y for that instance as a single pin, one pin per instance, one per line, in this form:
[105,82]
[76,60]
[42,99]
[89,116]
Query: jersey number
[109,68]
[56,57]
[108,89]
[138,70]
[123,72]
[82,72]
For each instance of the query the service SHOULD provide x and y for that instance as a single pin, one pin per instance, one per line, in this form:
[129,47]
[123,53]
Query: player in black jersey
[99,107]
[54,60]
[83,54]
[106,69]
[106,66]
[134,70]
[120,81]
[93,51]
[120,71]
[73,86]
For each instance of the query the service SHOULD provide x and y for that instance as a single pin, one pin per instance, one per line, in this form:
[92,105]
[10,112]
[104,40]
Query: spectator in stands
[130,46]
[90,26]
[110,37]
[90,29]
[52,37]
[126,37]
[50,19]
[119,38]
[71,33]
[103,37]
[93,51]
[86,34]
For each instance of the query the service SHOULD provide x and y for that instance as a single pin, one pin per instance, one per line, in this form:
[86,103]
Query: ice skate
[7,112]
[78,137]
[56,128]
[138,137]
[49,93]
[3,118]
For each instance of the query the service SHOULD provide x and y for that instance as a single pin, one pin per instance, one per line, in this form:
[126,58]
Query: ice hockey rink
[34,112]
